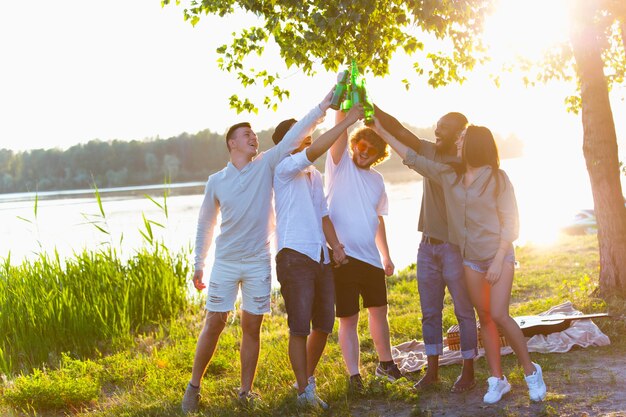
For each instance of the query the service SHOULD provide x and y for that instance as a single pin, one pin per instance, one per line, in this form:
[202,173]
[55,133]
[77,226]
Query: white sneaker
[309,398]
[311,380]
[536,387]
[497,388]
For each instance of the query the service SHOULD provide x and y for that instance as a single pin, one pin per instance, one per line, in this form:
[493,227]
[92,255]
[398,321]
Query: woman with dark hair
[483,220]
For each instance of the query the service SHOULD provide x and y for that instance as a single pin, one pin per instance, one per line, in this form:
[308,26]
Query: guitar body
[530,325]
[534,325]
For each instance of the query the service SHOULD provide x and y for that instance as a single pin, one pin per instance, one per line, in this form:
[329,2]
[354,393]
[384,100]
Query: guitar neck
[559,317]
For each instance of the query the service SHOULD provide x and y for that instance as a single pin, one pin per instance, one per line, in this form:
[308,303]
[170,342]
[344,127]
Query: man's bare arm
[393,126]
[400,148]
[324,142]
[339,146]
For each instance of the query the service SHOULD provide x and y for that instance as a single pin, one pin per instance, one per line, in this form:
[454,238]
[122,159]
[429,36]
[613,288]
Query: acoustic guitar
[530,325]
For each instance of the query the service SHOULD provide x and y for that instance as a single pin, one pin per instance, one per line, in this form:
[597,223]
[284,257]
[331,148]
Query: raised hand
[325,103]
[355,113]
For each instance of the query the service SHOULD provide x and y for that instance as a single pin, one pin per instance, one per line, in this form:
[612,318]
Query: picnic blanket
[410,356]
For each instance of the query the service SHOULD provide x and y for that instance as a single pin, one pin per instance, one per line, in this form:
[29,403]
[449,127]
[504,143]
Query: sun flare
[526,28]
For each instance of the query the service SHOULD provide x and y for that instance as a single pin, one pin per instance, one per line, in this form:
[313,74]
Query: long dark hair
[479,149]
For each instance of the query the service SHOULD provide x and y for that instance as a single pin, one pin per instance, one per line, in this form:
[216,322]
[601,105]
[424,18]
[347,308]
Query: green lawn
[147,375]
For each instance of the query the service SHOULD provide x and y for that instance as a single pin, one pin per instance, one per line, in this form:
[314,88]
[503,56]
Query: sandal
[422,385]
[457,388]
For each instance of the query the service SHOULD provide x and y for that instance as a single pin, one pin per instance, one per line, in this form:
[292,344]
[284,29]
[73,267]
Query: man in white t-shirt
[242,193]
[357,203]
[302,261]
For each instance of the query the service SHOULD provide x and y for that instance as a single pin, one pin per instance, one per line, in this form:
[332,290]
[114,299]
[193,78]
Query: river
[546,200]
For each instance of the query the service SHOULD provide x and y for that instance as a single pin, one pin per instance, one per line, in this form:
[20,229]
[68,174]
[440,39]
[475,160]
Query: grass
[89,303]
[146,375]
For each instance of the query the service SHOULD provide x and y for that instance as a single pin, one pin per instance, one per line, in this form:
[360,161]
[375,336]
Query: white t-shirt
[244,199]
[356,197]
[300,205]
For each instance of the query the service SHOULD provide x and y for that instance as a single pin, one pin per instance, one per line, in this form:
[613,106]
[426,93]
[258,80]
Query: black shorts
[358,278]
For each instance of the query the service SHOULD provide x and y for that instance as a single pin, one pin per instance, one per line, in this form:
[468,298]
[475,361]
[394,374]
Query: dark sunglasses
[364,147]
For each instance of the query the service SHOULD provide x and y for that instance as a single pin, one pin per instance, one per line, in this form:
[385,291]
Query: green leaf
[156,223]
[165,194]
[98,199]
[24,219]
[100,228]
[146,224]
[154,201]
[148,239]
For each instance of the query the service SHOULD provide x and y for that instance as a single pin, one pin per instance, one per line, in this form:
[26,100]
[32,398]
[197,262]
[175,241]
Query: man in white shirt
[302,261]
[357,202]
[242,193]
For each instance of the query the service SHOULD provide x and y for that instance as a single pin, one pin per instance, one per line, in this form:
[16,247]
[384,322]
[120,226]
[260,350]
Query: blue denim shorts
[483,266]
[308,290]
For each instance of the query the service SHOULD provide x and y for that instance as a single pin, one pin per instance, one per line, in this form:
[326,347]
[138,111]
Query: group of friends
[332,252]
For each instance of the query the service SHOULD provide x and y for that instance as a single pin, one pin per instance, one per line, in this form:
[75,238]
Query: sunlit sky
[75,70]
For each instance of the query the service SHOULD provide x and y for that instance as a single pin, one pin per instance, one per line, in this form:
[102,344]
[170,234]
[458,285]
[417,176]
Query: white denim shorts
[253,277]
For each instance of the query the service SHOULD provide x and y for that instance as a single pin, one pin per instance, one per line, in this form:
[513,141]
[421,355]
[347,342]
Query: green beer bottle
[368,106]
[340,90]
[355,81]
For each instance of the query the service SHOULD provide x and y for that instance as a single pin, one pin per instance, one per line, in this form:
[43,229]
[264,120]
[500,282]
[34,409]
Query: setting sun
[526,28]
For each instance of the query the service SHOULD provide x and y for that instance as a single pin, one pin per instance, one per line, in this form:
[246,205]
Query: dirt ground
[581,383]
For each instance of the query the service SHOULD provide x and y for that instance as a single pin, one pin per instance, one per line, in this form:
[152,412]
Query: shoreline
[182,188]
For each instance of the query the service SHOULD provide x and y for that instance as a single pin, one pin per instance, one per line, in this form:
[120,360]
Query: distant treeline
[117,163]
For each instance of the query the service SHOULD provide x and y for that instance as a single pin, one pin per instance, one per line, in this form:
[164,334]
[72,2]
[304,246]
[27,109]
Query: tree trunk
[600,150]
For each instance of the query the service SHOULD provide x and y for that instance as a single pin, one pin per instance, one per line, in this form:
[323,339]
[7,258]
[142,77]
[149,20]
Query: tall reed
[85,303]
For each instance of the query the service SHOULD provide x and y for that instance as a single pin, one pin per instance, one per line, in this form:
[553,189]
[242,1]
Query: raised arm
[422,165]
[324,142]
[393,126]
[400,148]
[339,146]
[303,128]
